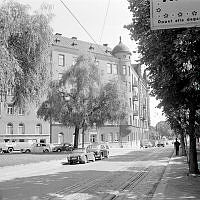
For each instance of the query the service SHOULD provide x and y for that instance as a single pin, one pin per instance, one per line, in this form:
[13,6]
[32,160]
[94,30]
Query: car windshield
[94,146]
[78,150]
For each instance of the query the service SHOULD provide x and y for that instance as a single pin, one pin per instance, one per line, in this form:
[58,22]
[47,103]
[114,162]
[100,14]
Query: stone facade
[112,64]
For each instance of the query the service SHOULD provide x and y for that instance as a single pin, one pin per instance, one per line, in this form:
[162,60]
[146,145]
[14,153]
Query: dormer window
[74,43]
[91,47]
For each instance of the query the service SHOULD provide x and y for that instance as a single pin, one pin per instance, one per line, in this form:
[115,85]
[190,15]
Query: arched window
[60,138]
[38,129]
[21,128]
[9,128]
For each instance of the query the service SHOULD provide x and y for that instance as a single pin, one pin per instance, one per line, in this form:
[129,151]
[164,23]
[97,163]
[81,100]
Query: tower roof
[121,48]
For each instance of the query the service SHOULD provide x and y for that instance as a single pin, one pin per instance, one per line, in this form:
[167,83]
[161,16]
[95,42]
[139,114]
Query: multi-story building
[23,125]
[112,64]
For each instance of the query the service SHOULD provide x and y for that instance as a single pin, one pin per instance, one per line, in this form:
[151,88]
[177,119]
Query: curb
[161,184]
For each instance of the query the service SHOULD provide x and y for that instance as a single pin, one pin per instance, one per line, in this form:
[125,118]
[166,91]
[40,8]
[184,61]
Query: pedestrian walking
[176,146]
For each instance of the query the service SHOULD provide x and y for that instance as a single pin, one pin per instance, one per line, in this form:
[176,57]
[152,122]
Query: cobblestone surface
[176,183]
[136,182]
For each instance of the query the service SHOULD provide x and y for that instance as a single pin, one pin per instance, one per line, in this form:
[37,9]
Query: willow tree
[172,57]
[80,100]
[25,39]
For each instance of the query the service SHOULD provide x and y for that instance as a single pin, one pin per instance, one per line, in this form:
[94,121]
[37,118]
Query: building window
[130,102]
[129,84]
[130,120]
[124,69]
[128,138]
[38,129]
[102,138]
[109,68]
[111,137]
[60,76]
[10,91]
[61,60]
[114,69]
[116,136]
[129,70]
[21,128]
[10,128]
[21,111]
[10,109]
[60,138]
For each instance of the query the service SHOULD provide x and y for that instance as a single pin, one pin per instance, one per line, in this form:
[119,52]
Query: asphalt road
[130,175]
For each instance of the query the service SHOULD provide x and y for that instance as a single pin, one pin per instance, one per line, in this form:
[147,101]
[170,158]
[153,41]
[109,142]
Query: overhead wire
[98,46]
[102,30]
[78,22]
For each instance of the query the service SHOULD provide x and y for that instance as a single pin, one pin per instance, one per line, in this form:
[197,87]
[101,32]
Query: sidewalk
[176,184]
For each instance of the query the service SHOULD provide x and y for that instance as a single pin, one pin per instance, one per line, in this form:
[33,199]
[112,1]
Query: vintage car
[80,155]
[37,148]
[62,147]
[100,150]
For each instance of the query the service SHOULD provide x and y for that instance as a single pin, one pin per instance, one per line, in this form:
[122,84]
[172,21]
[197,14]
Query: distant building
[23,125]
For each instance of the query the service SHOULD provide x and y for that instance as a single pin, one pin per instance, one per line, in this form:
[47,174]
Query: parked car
[9,147]
[160,144]
[100,150]
[62,147]
[37,148]
[80,155]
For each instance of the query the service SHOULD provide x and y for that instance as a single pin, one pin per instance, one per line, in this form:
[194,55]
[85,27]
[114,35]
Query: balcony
[144,106]
[135,97]
[144,117]
[134,84]
[135,112]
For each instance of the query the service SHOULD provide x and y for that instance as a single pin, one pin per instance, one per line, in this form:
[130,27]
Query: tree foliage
[164,129]
[88,101]
[172,57]
[25,39]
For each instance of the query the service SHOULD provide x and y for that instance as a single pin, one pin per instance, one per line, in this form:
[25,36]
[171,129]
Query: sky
[92,14]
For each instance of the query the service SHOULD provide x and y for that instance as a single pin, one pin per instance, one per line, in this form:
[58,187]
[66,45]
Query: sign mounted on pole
[167,14]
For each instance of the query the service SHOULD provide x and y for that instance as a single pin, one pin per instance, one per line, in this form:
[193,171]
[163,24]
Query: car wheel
[46,150]
[27,151]
[10,150]
[59,150]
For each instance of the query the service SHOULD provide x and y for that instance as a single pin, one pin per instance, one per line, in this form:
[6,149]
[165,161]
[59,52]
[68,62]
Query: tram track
[87,184]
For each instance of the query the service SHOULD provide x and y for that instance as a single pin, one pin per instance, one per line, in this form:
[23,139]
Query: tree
[25,39]
[88,101]
[163,127]
[172,57]
[178,122]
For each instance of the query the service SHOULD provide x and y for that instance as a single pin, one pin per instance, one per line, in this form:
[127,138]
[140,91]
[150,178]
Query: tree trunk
[76,134]
[193,164]
[183,150]
[83,133]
